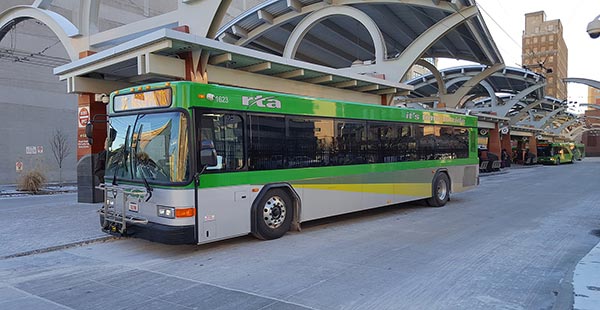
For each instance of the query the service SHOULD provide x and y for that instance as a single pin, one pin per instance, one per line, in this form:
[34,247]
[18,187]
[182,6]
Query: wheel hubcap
[274,212]
[442,189]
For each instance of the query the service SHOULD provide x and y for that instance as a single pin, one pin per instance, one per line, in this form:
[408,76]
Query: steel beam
[295,38]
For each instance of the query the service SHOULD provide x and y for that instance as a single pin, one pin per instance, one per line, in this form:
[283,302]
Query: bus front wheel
[440,192]
[273,214]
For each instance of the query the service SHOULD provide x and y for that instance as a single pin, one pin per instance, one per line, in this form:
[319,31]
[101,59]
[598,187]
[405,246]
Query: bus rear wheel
[273,215]
[440,191]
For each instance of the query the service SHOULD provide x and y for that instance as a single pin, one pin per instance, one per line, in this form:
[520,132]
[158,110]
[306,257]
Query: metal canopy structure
[154,57]
[359,46]
[509,80]
[513,93]
[344,33]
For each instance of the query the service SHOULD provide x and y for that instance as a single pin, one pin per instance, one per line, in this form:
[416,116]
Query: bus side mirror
[112,134]
[89,129]
[208,154]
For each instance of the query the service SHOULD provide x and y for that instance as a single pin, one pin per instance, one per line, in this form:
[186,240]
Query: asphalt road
[509,244]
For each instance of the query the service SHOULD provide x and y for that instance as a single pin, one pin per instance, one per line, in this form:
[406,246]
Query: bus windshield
[544,151]
[152,147]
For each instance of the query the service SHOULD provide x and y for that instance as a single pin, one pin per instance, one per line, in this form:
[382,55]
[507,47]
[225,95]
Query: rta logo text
[259,101]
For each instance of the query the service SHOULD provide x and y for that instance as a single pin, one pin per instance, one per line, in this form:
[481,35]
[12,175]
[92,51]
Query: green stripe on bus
[290,175]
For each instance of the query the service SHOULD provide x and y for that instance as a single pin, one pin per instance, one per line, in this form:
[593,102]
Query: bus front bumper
[157,232]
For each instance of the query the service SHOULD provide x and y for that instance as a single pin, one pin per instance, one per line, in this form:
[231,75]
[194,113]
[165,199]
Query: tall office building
[593,95]
[545,52]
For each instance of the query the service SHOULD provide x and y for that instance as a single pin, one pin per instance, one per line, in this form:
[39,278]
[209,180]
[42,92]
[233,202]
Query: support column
[494,141]
[86,153]
[532,145]
[87,108]
[505,143]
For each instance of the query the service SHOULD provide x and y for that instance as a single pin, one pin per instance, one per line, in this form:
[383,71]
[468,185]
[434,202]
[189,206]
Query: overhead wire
[13,54]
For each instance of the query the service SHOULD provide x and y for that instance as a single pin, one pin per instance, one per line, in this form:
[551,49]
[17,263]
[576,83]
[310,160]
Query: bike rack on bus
[115,221]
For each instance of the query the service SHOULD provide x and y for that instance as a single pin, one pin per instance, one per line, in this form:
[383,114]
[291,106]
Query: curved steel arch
[62,27]
[314,18]
[266,26]
[483,83]
[413,52]
[588,82]
[460,94]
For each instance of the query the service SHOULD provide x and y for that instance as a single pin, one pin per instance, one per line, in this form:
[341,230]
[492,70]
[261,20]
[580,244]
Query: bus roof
[187,94]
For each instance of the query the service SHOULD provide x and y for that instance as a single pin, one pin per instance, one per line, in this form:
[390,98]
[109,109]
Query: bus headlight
[167,212]
[110,202]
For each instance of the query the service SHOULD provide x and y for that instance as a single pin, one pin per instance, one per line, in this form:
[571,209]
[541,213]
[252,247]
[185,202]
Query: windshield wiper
[136,160]
[124,159]
[147,185]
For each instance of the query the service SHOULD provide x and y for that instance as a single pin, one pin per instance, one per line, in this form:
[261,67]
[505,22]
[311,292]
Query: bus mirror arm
[89,128]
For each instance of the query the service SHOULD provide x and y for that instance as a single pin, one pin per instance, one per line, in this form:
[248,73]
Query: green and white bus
[555,153]
[195,163]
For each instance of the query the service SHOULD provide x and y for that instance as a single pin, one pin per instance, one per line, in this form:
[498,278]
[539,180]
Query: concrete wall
[32,108]
[33,103]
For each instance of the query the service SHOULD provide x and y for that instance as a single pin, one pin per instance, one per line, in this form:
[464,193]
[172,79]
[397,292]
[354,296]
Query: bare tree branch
[59,143]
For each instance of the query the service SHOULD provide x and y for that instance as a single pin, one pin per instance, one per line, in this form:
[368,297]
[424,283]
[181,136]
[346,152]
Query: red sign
[19,166]
[84,116]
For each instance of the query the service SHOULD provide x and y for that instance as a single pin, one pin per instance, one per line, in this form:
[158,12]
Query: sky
[506,21]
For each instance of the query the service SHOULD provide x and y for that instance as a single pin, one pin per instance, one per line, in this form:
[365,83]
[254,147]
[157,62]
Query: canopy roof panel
[337,41]
[511,80]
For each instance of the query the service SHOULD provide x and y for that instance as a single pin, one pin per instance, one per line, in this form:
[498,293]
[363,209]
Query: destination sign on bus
[158,98]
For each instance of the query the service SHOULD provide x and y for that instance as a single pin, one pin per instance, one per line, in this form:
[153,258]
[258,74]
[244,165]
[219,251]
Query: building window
[543,39]
[591,140]
[551,38]
[550,27]
[535,40]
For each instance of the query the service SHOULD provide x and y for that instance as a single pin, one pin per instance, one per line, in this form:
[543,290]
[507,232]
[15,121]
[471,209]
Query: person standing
[505,158]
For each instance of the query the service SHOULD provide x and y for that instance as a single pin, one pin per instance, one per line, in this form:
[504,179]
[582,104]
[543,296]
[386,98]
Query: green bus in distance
[555,153]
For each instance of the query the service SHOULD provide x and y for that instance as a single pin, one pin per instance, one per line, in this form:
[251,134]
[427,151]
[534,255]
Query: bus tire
[440,190]
[273,215]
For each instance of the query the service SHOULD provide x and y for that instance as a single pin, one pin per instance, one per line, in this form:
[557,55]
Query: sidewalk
[57,221]
[586,274]
[586,281]
[49,189]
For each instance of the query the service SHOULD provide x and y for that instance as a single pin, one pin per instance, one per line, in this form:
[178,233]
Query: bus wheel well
[289,190]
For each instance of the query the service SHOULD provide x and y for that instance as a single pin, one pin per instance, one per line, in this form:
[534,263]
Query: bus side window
[226,132]
[350,142]
[267,142]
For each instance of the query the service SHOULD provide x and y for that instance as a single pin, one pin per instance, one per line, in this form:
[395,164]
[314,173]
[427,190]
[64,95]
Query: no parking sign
[19,166]
[83,116]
